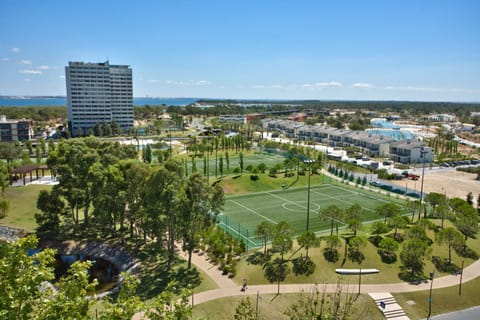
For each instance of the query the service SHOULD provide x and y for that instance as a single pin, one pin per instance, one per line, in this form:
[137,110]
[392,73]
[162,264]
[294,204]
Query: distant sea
[62,101]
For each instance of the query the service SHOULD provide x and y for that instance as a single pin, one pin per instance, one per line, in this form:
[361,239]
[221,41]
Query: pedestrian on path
[244,287]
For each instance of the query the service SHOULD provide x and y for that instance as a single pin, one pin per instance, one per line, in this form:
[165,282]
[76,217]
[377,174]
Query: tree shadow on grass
[154,275]
[412,278]
[466,252]
[258,258]
[375,240]
[442,265]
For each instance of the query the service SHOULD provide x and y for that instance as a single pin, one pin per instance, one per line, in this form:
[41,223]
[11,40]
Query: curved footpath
[227,288]
[469,273]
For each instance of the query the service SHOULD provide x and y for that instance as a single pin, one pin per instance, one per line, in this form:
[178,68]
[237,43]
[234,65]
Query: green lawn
[271,307]
[444,300]
[23,205]
[325,271]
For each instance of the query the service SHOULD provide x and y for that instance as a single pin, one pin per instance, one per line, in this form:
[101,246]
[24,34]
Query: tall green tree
[466,221]
[163,204]
[52,210]
[397,222]
[332,213]
[435,199]
[414,254]
[308,239]
[264,231]
[378,228]
[388,210]
[220,165]
[276,271]
[450,237]
[170,304]
[21,275]
[241,162]
[136,175]
[201,204]
[227,160]
[70,297]
[126,305]
[387,248]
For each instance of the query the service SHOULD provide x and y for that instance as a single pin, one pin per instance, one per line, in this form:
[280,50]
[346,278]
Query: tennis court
[243,213]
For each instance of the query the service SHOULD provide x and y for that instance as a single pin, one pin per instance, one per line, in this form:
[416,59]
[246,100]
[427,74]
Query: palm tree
[308,239]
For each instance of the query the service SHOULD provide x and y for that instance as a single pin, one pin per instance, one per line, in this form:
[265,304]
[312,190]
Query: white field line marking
[364,194]
[253,211]
[334,198]
[300,189]
[286,200]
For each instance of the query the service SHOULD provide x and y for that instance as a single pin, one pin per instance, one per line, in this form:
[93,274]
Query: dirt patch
[455,184]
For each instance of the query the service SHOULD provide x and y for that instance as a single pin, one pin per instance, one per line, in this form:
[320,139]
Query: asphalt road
[465,314]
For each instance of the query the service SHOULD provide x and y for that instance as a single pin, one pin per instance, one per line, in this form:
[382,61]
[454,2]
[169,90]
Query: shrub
[331,255]
[303,265]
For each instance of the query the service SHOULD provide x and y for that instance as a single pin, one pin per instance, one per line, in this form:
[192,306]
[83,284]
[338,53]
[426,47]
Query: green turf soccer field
[243,213]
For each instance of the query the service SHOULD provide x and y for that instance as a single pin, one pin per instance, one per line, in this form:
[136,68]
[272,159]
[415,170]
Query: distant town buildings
[240,118]
[405,151]
[15,130]
[98,93]
[441,118]
[233,118]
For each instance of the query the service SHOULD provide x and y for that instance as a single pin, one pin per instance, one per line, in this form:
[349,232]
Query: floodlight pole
[422,155]
[310,163]
[430,297]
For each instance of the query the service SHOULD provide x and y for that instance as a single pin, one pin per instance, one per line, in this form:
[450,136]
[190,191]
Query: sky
[425,50]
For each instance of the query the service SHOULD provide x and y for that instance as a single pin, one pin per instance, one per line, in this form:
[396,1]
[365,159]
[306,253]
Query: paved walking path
[202,263]
[469,273]
[227,288]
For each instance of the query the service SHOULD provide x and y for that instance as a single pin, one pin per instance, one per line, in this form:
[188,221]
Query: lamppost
[310,163]
[430,297]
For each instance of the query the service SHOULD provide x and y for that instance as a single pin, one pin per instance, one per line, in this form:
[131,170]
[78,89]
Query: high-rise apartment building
[98,93]
[15,130]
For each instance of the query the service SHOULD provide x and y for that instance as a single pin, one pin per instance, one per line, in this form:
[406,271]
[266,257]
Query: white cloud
[258,86]
[153,81]
[27,62]
[27,80]
[189,83]
[61,77]
[15,50]
[30,71]
[44,67]
[5,59]
[276,86]
[203,83]
[331,84]
[362,85]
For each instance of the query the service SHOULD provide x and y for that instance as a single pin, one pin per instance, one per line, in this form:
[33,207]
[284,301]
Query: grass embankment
[325,271]
[272,307]
[23,205]
[242,184]
[444,300]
